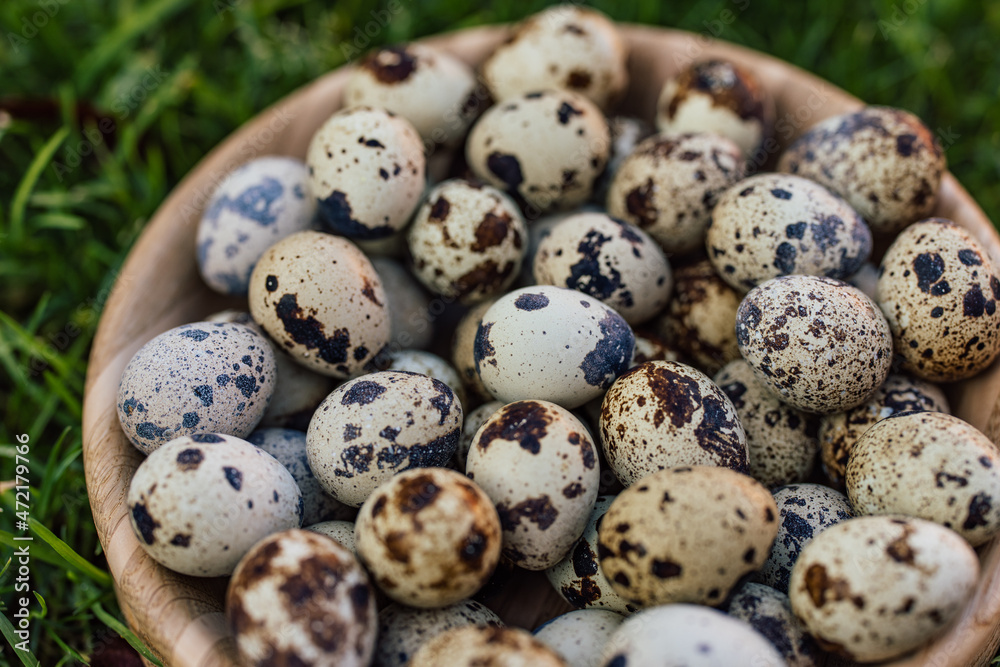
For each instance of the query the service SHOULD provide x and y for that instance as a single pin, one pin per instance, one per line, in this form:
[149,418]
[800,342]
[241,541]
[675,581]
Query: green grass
[104,106]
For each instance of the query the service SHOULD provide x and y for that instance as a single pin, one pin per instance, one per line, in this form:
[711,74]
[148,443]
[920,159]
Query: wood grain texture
[180,617]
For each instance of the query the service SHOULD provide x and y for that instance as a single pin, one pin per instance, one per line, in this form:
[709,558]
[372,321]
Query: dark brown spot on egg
[181,540]
[309,332]
[665,569]
[390,65]
[507,168]
[639,203]
[491,231]
[144,522]
[578,79]
[980,505]
[415,493]
[822,588]
[539,511]
[189,459]
[440,209]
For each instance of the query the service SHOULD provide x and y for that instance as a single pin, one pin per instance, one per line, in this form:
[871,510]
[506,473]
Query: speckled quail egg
[551,343]
[684,635]
[403,630]
[429,87]
[700,320]
[261,202]
[769,612]
[626,133]
[663,414]
[876,587]
[804,510]
[463,350]
[578,636]
[341,531]
[781,440]
[298,598]
[289,447]
[717,96]
[772,225]
[430,537]
[567,46]
[537,463]
[611,260]
[650,347]
[321,300]
[578,577]
[547,147]
[426,363]
[928,465]
[473,420]
[472,646]
[818,343]
[196,378]
[538,230]
[883,161]
[670,183]
[839,431]
[297,390]
[685,535]
[939,289]
[467,241]
[366,171]
[198,503]
[380,424]
[410,320]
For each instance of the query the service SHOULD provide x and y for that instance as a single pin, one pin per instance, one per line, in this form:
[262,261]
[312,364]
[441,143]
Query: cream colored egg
[403,630]
[463,350]
[473,646]
[426,363]
[341,531]
[578,636]
[473,421]
[769,612]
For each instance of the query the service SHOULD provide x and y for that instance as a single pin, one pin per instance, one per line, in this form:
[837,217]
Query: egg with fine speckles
[198,503]
[426,363]
[339,530]
[473,421]
[298,598]
[772,225]
[885,162]
[663,414]
[463,350]
[366,171]
[770,613]
[375,426]
[196,378]
[320,299]
[403,630]
[430,537]
[473,646]
[939,290]
[686,535]
[578,636]
[538,465]
[553,344]
[819,344]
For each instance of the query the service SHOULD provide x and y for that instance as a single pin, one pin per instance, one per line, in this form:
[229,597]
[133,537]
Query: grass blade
[76,560]
[27,658]
[125,634]
[27,184]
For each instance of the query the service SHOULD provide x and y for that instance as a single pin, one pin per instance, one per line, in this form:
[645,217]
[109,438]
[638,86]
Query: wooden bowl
[181,618]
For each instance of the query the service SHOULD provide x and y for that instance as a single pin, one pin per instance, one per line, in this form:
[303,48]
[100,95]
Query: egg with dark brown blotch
[773,225]
[663,414]
[669,184]
[781,440]
[769,612]
[474,646]
[538,464]
[939,290]
[839,431]
[473,420]
[819,344]
[463,351]
[885,162]
[429,364]
[403,630]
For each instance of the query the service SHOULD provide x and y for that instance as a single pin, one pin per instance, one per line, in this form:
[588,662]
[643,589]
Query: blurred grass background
[104,106]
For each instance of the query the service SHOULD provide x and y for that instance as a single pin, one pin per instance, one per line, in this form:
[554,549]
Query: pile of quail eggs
[639,349]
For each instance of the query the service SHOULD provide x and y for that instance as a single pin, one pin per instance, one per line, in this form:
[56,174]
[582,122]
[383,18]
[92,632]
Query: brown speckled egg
[686,535]
[547,147]
[473,421]
[804,510]
[883,161]
[366,170]
[578,636]
[670,183]
[611,260]
[538,230]
[341,531]
[320,300]
[463,350]
[298,598]
[196,378]
[819,344]
[781,440]
[380,424]
[689,635]
[474,646]
[876,587]
[650,347]
[700,320]
[769,612]
[578,577]
[932,466]
[432,89]
[939,290]
[663,414]
[410,320]
[551,343]
[403,630]
[537,463]
[430,537]
[720,97]
[567,46]
[839,431]
[198,503]
[426,363]
[773,225]
[467,241]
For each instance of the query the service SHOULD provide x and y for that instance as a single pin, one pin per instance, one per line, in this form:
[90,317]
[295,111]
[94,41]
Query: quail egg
[769,612]
[472,646]
[403,630]
[463,350]
[410,322]
[578,636]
